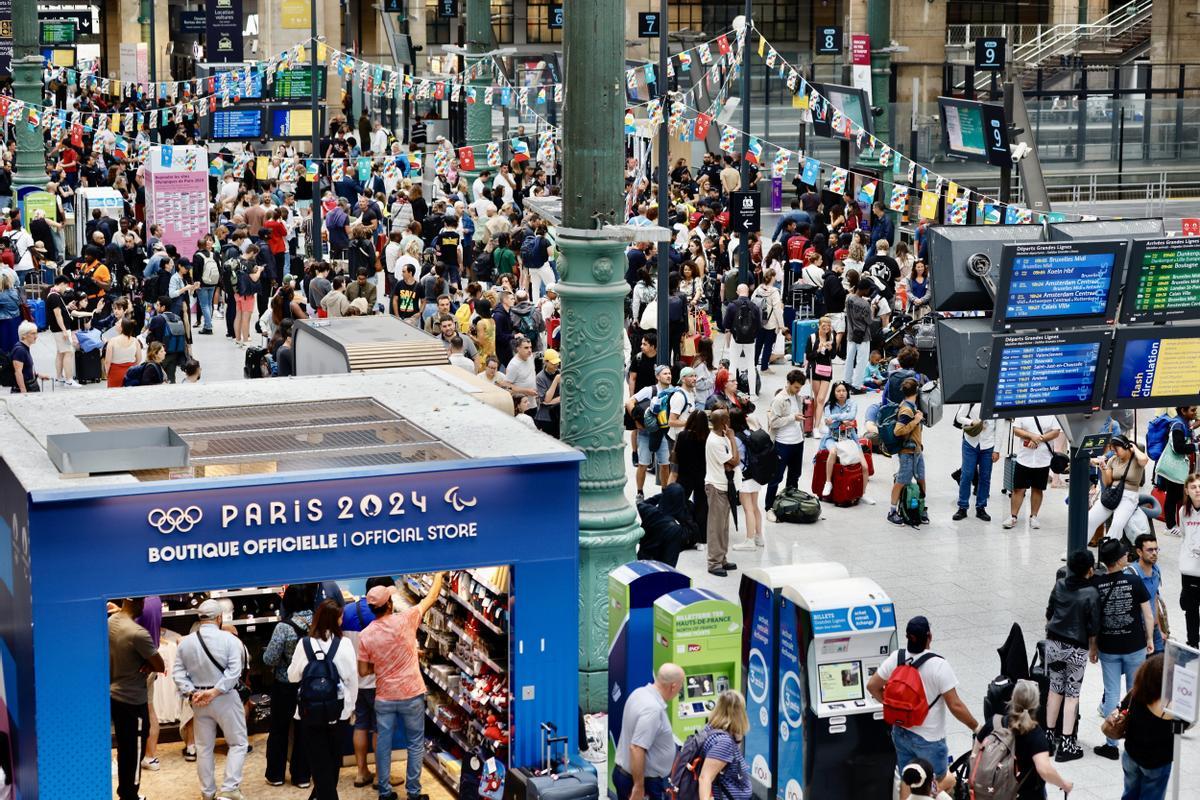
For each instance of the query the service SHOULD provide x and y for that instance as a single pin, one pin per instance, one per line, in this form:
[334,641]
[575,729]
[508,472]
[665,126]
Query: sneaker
[641,496]
[924,518]
[1108,751]
[981,513]
[151,764]
[1068,750]
[303,784]
[389,796]
[74,384]
[868,500]
[760,542]
[771,516]
[206,331]
[827,489]
[1011,522]
[232,794]
[1176,531]
[744,546]
[718,571]
[189,754]
[895,518]
[959,514]
[1034,524]
[730,565]
[274,783]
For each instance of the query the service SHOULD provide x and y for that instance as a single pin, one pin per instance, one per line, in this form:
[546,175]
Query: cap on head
[687,372]
[209,610]
[550,356]
[379,596]
[917,629]
[661,369]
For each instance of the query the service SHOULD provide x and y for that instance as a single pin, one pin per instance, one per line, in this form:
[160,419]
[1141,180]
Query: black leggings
[1172,501]
[1189,601]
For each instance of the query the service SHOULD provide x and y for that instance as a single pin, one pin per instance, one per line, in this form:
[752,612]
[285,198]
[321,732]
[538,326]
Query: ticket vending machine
[761,594]
[833,742]
[702,632]
[632,590]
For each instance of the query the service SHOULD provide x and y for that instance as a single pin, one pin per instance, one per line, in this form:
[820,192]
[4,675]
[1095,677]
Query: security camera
[1019,151]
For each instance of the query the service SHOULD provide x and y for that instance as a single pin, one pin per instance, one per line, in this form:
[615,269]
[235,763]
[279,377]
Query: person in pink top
[388,649]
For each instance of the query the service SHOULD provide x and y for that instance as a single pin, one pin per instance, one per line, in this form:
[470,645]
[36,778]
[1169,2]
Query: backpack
[135,374]
[174,340]
[211,275]
[8,373]
[904,701]
[911,506]
[794,505]
[889,442]
[659,411]
[533,253]
[317,697]
[525,324]
[684,782]
[891,390]
[746,321]
[764,307]
[1158,433]
[762,459]
[994,767]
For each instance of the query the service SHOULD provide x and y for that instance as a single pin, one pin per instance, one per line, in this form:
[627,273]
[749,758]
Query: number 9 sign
[989,54]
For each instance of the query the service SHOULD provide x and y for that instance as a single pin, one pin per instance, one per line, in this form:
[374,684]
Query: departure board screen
[237,124]
[296,83]
[1046,373]
[1155,367]
[1047,285]
[1163,282]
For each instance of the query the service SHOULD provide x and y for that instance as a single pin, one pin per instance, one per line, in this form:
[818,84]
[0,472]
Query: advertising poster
[35,200]
[6,37]
[792,701]
[177,195]
[224,35]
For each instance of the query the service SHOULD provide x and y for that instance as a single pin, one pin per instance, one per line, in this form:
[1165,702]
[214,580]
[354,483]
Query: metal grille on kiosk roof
[292,436]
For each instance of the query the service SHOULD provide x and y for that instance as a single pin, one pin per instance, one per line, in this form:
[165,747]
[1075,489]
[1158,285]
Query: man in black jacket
[1072,624]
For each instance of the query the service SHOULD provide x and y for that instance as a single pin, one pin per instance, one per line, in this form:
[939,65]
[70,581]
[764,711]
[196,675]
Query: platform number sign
[746,214]
[649,24]
[989,54]
[556,17]
[995,128]
[447,9]
[393,6]
[829,40]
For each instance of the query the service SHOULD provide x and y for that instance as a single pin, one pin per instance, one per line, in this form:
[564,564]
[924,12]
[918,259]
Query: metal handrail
[1061,38]
[965,35]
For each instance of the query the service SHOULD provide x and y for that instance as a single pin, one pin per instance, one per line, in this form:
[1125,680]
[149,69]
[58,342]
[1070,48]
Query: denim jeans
[205,297]
[857,357]
[975,458]
[791,461]
[1113,666]
[763,345]
[388,715]
[656,788]
[1142,783]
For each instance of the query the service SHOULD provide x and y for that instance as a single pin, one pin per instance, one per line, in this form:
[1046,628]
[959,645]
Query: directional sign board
[649,24]
[989,54]
[829,40]
[744,211]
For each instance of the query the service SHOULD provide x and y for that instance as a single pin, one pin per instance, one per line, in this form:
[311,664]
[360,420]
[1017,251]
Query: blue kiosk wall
[84,547]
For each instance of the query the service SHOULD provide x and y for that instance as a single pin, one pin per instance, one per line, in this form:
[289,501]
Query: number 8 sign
[829,40]
[989,54]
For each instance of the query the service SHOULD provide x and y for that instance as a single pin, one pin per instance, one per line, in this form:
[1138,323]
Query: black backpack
[318,699]
[762,460]
[746,321]
[8,374]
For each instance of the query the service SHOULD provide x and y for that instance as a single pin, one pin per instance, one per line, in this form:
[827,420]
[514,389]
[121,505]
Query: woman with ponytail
[1034,766]
[921,782]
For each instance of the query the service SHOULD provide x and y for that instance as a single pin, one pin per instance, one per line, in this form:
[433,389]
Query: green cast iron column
[879,28]
[479,115]
[592,290]
[30,167]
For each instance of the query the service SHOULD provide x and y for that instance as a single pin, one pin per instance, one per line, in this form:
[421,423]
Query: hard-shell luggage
[258,363]
[809,411]
[88,368]
[929,402]
[849,483]
[801,330]
[37,307]
[558,779]
[865,444]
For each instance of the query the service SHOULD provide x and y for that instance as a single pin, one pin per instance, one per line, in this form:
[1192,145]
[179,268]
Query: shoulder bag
[1059,462]
[242,688]
[1010,465]
[1117,721]
[1110,496]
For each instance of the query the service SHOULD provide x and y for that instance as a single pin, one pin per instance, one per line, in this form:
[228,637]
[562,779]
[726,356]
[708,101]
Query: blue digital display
[237,123]
[1046,373]
[1155,367]
[1047,283]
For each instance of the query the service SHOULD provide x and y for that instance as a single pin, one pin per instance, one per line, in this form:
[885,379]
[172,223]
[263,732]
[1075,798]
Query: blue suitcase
[38,309]
[801,330]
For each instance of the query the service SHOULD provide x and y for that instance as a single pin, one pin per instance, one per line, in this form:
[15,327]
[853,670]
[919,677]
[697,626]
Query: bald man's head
[669,680]
[743,290]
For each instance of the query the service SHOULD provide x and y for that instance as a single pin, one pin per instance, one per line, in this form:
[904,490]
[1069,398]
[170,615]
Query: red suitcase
[865,444]
[810,415]
[848,482]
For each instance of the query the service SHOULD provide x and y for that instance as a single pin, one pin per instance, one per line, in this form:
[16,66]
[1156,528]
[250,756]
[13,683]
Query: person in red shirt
[277,241]
[388,648]
[68,162]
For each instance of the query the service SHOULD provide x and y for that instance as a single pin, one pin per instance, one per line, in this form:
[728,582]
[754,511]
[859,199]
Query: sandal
[359,784]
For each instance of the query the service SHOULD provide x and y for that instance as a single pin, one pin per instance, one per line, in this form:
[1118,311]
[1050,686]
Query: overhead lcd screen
[840,682]
[1155,367]
[290,123]
[1046,373]
[851,102]
[296,84]
[235,124]
[1163,282]
[964,129]
[1048,285]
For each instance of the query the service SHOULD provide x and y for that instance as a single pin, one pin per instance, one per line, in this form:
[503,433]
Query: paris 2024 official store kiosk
[833,742]
[282,485]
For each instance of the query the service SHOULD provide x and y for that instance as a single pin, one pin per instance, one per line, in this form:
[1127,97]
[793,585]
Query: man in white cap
[208,666]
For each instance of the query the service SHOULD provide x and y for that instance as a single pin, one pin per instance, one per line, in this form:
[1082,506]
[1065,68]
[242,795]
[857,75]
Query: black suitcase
[88,367]
[560,779]
[258,363]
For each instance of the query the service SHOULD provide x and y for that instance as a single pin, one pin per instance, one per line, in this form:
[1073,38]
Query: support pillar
[593,288]
[479,114]
[879,29]
[30,166]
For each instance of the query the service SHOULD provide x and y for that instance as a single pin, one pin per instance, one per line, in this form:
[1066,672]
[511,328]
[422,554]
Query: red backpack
[904,701]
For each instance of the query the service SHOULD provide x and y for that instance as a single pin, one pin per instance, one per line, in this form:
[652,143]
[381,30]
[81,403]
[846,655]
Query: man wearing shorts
[60,301]
[1073,617]
[652,448]
[1034,452]
[927,740]
[912,457]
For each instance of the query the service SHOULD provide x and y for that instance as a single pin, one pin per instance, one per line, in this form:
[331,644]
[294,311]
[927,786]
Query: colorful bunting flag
[466,158]
[837,181]
[929,205]
[780,164]
[493,154]
[958,211]
[728,138]
[866,193]
[899,198]
[753,150]
[811,174]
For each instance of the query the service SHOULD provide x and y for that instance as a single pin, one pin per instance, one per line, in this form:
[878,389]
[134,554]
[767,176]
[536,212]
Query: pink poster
[178,201]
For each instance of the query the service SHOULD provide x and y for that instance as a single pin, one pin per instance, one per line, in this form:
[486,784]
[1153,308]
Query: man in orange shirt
[388,648]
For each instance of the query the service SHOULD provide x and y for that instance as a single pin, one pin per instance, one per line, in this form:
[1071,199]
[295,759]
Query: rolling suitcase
[558,779]
[801,330]
[865,444]
[810,415]
[88,367]
[37,307]
[848,481]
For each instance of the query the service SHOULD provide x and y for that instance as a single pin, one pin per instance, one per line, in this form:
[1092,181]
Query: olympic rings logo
[175,520]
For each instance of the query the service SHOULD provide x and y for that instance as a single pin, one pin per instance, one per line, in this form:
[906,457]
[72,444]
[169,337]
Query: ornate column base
[592,288]
[30,166]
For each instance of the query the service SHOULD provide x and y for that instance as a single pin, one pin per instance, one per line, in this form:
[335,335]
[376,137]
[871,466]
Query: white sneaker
[760,542]
[827,489]
[1011,522]
[746,545]
[151,764]
[1033,523]
[868,500]
[771,516]
[1176,531]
